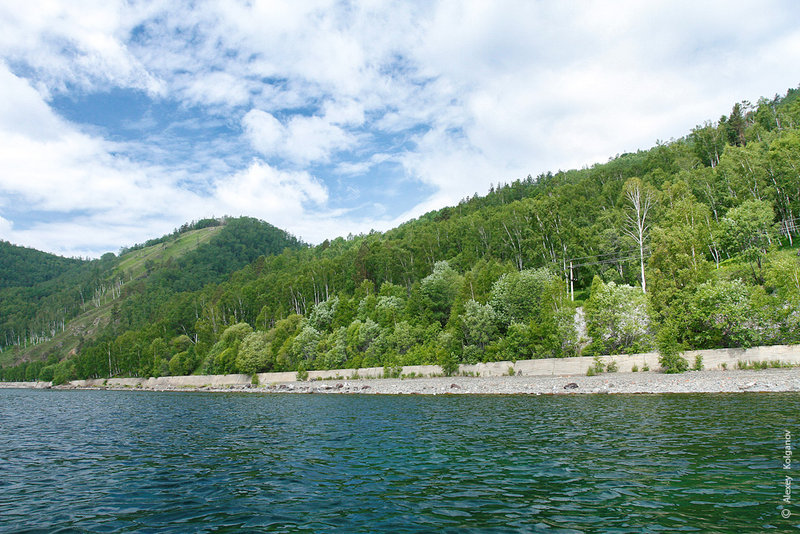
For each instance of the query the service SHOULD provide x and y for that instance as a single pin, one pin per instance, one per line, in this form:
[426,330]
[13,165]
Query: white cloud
[265,133]
[48,165]
[270,194]
[302,140]
[461,93]
[80,42]
[5,228]
[219,88]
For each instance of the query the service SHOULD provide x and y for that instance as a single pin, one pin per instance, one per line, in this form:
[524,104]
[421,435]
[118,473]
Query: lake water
[110,461]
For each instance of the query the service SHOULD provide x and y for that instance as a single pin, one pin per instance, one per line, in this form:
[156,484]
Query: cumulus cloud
[302,140]
[80,42]
[270,194]
[459,93]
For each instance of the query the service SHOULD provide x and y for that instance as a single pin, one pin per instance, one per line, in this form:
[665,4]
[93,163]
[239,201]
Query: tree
[254,353]
[479,326]
[525,296]
[721,315]
[323,313]
[748,231]
[439,290]
[221,358]
[305,347]
[708,142]
[735,126]
[670,350]
[640,199]
[617,319]
[677,261]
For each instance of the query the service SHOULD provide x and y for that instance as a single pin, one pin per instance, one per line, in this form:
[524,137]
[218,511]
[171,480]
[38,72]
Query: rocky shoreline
[729,381]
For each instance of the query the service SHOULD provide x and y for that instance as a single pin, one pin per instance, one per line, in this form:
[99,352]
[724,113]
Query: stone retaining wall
[712,359]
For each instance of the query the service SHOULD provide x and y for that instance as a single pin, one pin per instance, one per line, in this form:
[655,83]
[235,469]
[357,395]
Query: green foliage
[305,347]
[439,291]
[302,374]
[748,230]
[698,362]
[254,354]
[479,324]
[392,371]
[783,277]
[617,319]
[63,372]
[398,298]
[223,355]
[448,362]
[669,350]
[721,314]
[321,316]
[677,263]
[25,267]
[525,296]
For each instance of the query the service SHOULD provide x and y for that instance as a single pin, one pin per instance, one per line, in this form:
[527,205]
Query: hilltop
[26,267]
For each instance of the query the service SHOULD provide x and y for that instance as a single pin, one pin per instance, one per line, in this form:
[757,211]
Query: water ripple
[99,461]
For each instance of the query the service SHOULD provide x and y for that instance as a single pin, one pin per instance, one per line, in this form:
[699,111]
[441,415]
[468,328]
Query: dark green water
[104,461]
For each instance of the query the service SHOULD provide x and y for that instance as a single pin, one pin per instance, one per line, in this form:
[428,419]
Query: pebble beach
[716,381]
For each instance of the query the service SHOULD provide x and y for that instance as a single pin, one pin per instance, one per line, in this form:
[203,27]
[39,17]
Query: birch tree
[640,202]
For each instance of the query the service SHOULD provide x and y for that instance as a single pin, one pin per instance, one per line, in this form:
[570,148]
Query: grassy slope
[133,263]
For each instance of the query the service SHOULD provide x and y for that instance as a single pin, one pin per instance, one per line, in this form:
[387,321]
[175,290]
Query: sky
[122,120]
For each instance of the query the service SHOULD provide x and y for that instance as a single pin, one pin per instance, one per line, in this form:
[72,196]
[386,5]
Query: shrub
[669,350]
[673,363]
[612,367]
[392,371]
[598,365]
[448,363]
[302,374]
[510,370]
[698,363]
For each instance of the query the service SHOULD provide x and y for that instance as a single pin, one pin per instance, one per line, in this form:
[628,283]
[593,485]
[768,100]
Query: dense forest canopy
[25,267]
[690,244]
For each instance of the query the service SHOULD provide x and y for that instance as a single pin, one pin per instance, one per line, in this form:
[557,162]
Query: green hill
[25,267]
[55,318]
[691,244]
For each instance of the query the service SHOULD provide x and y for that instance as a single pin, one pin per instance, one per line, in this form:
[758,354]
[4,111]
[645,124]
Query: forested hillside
[24,267]
[691,244]
[55,318]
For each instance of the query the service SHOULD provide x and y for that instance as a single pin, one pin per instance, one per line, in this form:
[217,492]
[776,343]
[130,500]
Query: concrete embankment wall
[37,385]
[712,359]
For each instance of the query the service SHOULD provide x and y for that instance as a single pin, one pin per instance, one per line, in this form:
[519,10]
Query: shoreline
[710,381]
